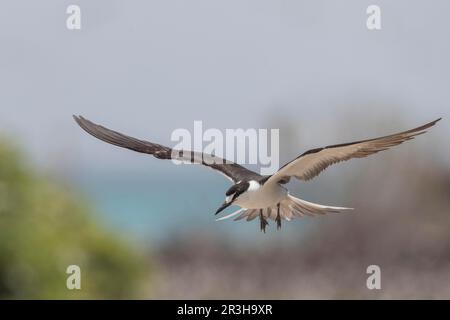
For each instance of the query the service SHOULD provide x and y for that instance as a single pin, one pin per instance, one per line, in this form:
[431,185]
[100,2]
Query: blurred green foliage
[44,228]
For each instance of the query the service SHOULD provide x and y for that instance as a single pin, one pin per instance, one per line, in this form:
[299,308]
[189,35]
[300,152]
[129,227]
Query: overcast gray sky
[149,67]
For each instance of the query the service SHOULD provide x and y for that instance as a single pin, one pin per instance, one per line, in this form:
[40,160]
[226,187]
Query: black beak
[223,206]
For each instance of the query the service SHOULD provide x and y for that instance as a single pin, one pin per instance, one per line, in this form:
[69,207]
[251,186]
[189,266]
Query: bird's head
[233,193]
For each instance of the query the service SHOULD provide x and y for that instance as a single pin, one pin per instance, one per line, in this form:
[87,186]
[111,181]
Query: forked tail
[290,208]
[295,207]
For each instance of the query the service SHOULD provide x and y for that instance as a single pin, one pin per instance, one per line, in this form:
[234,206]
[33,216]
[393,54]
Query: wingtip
[77,118]
[80,119]
[422,129]
[432,123]
[435,121]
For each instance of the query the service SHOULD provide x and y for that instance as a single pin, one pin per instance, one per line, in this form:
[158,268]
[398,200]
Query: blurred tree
[44,228]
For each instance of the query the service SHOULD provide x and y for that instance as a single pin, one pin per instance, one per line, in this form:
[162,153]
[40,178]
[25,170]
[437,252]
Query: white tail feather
[303,207]
[290,208]
[231,215]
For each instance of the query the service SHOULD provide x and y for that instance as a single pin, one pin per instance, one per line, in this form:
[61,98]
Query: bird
[263,196]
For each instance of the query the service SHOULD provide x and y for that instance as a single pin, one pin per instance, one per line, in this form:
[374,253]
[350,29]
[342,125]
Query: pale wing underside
[311,163]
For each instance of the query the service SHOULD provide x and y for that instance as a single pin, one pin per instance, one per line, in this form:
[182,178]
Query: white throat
[253,185]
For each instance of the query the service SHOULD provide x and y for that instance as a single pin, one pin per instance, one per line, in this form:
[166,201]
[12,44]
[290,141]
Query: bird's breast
[263,197]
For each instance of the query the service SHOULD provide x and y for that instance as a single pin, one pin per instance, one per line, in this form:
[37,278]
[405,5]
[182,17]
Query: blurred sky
[149,67]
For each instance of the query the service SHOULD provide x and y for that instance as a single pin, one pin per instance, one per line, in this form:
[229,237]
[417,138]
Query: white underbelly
[264,197]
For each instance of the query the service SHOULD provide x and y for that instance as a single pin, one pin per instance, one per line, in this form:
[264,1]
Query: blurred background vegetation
[45,227]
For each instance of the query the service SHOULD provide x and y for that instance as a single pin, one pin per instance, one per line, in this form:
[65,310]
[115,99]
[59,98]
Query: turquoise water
[155,208]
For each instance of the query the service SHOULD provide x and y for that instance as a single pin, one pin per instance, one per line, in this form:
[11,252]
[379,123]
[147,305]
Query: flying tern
[265,197]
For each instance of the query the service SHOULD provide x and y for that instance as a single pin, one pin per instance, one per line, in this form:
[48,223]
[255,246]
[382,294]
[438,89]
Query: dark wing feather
[312,162]
[230,169]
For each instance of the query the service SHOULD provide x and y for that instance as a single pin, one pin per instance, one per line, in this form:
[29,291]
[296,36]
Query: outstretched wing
[231,170]
[312,162]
